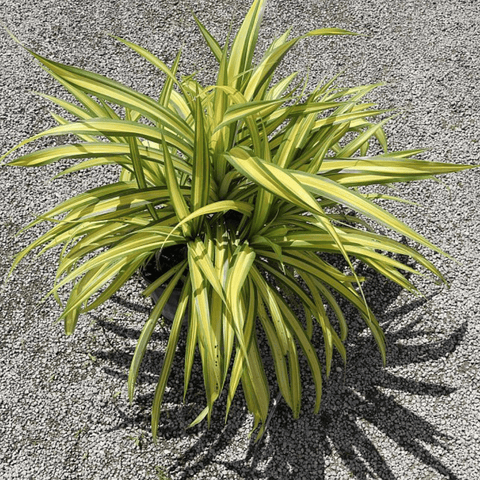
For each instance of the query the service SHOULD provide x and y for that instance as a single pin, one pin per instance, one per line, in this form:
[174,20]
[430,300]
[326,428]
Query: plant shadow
[358,404]
[354,409]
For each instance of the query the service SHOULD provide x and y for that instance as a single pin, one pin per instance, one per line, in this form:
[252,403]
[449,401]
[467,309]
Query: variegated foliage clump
[283,160]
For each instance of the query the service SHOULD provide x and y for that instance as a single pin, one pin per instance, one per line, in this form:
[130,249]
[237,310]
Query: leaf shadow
[358,403]
[361,401]
[354,409]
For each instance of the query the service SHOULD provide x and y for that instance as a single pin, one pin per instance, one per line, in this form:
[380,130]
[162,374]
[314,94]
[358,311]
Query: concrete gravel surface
[64,411]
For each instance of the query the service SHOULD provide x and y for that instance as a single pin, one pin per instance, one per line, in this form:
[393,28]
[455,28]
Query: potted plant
[248,178]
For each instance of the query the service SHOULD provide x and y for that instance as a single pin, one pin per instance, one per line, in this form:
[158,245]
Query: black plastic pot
[155,268]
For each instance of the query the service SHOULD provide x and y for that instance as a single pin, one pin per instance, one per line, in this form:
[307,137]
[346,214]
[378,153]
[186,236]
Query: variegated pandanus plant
[287,163]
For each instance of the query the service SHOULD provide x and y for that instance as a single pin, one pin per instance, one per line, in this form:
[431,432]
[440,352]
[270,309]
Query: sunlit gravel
[64,411]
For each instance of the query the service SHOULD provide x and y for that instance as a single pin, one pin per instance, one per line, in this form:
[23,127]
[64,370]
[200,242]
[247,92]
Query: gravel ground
[63,402]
